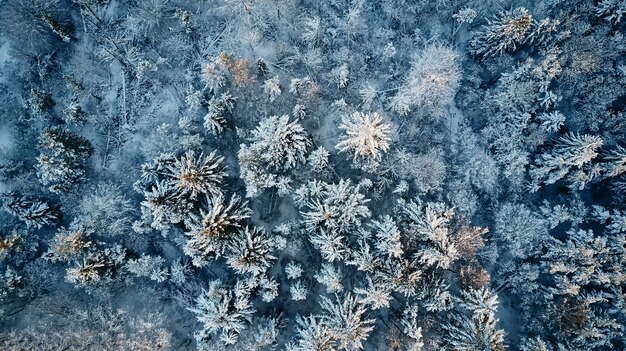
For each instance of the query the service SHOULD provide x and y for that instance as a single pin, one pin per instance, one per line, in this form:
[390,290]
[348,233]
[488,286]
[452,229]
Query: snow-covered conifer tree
[293,270]
[222,311]
[107,209]
[332,206]
[35,213]
[272,88]
[520,230]
[348,319]
[411,327]
[431,223]
[148,266]
[330,243]
[503,33]
[615,162]
[570,154]
[298,291]
[276,145]
[197,175]
[250,251]
[612,10]
[61,161]
[476,329]
[374,294]
[366,136]
[330,277]
[219,107]
[97,264]
[318,160]
[387,237]
[284,144]
[163,206]
[312,335]
[70,243]
[431,83]
[211,232]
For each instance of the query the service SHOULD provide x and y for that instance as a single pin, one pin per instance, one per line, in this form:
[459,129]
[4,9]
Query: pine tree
[283,144]
[431,83]
[552,121]
[253,172]
[534,344]
[431,223]
[434,294]
[331,277]
[272,88]
[293,270]
[219,107]
[570,152]
[71,243]
[312,335]
[298,291]
[97,264]
[615,162]
[222,311]
[503,33]
[374,294]
[387,237]
[318,160]
[346,317]
[107,209]
[211,232]
[521,230]
[402,275]
[277,145]
[61,161]
[411,327]
[163,205]
[330,243]
[332,207]
[613,10]
[250,251]
[148,266]
[201,175]
[35,213]
[476,329]
[366,136]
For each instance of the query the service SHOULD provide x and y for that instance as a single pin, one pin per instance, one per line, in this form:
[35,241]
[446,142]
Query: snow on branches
[331,207]
[431,224]
[250,251]
[476,328]
[196,175]
[171,187]
[60,164]
[343,325]
[35,213]
[223,312]
[276,145]
[570,154]
[508,30]
[213,229]
[284,144]
[366,136]
[431,83]
[503,33]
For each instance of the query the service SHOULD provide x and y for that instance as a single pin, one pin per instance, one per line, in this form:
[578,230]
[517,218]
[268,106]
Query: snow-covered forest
[313,175]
